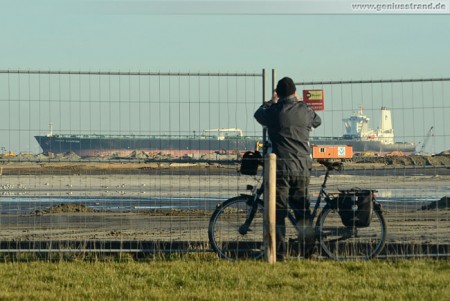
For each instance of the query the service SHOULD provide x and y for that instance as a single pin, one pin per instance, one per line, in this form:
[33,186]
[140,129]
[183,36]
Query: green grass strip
[213,279]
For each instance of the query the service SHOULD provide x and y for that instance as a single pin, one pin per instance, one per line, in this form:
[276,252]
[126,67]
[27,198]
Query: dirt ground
[71,164]
[413,160]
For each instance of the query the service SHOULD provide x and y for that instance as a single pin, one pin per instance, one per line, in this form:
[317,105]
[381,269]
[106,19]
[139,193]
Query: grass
[195,278]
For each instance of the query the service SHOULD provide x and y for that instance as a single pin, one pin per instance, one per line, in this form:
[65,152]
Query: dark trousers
[292,190]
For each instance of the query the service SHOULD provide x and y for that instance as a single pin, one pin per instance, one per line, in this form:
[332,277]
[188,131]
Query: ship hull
[124,146]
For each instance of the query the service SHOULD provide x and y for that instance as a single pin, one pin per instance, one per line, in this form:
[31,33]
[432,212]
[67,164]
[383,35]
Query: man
[289,122]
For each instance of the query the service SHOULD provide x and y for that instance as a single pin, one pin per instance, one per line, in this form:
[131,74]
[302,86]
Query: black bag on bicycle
[355,207]
[250,162]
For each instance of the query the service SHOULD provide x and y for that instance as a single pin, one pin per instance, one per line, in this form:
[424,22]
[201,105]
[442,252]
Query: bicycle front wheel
[236,228]
[343,243]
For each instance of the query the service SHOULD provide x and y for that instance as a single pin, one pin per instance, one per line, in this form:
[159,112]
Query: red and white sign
[314,99]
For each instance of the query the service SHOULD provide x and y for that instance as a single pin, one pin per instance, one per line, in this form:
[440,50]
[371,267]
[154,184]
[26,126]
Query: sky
[317,44]
[43,34]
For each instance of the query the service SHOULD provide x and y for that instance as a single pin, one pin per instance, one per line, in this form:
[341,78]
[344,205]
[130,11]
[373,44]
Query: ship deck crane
[425,141]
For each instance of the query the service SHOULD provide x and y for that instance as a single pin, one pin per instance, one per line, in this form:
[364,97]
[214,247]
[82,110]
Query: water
[390,198]
[411,198]
[20,205]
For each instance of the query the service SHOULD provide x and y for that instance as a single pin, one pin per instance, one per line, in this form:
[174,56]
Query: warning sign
[314,99]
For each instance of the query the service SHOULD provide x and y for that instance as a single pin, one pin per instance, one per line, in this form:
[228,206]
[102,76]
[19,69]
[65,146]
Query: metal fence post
[269,207]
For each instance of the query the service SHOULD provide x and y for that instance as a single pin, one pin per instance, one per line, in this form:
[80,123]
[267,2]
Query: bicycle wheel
[341,242]
[236,228]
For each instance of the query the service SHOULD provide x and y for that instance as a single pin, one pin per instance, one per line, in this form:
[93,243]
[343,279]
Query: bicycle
[236,226]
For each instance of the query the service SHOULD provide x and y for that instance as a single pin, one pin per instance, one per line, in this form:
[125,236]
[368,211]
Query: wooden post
[270,168]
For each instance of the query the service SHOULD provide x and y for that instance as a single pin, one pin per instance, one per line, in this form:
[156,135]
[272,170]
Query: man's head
[285,87]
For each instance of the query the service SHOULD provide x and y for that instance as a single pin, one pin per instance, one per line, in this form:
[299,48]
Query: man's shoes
[307,250]
[281,258]
[306,239]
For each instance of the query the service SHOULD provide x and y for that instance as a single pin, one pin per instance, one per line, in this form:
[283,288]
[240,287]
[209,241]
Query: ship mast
[385,132]
[50,130]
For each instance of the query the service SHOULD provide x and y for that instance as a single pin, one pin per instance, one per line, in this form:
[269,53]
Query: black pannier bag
[250,162]
[355,207]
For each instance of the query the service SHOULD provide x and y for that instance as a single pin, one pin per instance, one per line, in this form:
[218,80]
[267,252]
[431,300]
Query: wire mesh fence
[138,161]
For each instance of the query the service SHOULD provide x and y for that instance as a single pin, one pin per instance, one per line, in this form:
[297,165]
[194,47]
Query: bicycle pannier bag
[250,162]
[355,208]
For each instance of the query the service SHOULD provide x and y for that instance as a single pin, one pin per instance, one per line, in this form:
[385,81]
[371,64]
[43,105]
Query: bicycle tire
[340,242]
[225,224]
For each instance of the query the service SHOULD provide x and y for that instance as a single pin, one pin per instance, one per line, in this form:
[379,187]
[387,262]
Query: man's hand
[275,97]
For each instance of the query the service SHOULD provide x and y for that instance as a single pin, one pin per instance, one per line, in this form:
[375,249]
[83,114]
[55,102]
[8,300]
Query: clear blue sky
[126,36]
[75,35]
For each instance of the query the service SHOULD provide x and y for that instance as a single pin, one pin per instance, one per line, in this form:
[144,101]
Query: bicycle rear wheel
[343,243]
[236,228]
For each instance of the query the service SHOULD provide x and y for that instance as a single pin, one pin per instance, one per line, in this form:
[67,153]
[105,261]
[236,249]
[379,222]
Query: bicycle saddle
[331,165]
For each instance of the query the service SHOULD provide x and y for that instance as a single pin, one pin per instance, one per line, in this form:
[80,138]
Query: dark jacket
[289,123]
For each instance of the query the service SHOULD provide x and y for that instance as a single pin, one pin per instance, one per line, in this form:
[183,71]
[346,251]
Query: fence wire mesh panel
[114,161]
[138,161]
[398,130]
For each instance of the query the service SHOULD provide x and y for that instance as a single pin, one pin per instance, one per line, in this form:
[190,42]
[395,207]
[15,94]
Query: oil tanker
[226,141]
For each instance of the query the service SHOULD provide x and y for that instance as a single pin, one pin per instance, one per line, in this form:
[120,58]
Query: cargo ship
[222,141]
[225,141]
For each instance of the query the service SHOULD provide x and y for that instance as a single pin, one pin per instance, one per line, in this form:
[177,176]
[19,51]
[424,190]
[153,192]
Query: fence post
[270,167]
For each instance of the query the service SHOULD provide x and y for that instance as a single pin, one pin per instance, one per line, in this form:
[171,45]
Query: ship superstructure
[363,138]
[357,127]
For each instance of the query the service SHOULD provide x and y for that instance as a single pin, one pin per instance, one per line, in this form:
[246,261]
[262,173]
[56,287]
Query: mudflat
[155,185]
